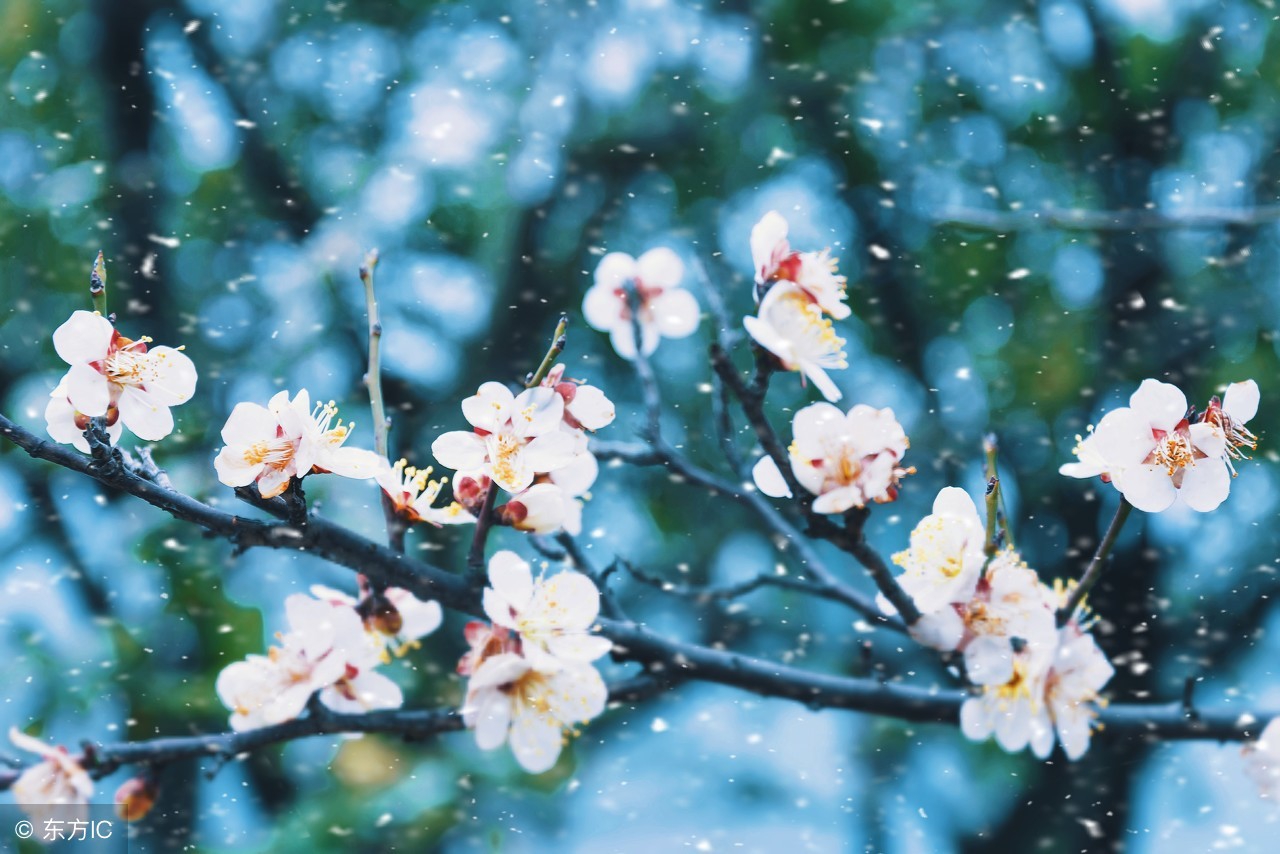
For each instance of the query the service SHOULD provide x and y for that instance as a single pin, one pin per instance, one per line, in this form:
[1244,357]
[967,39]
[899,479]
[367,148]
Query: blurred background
[234,160]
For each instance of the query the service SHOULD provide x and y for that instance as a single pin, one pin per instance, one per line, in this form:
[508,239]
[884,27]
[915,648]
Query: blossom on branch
[395,620]
[942,567]
[514,437]
[118,378]
[1155,454]
[287,438]
[326,650]
[56,780]
[413,494]
[666,310]
[813,272]
[553,616]
[531,676]
[846,459]
[1228,417]
[66,425]
[792,326]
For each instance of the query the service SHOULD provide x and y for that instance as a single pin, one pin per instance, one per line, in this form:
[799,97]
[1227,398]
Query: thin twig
[1097,565]
[396,524]
[1076,219]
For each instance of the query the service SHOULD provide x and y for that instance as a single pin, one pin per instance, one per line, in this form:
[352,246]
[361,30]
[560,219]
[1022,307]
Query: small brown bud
[135,798]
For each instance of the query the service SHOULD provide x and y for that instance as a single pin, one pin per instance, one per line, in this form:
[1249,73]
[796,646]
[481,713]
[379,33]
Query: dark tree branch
[664,659]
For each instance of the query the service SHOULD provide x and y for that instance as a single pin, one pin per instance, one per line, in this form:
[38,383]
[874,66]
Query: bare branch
[1076,219]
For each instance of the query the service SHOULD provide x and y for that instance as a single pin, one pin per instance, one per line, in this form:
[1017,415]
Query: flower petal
[459,450]
[512,578]
[768,478]
[1161,404]
[768,244]
[603,308]
[676,313]
[171,376]
[591,408]
[490,407]
[614,271]
[142,414]
[1205,485]
[549,452]
[1241,401]
[660,267]
[535,739]
[88,390]
[84,337]
[537,411]
[1148,488]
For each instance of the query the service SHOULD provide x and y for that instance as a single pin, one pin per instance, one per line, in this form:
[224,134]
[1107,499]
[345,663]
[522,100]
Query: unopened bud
[135,798]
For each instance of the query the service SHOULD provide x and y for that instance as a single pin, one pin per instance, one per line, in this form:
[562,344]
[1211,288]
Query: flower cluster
[531,676]
[1035,680]
[285,439]
[333,647]
[802,293]
[666,310]
[413,495]
[123,381]
[1158,452]
[846,459]
[533,445]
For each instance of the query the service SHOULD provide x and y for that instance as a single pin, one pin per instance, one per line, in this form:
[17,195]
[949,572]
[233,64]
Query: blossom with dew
[57,780]
[553,616]
[846,459]
[66,425]
[1155,456]
[941,567]
[326,650]
[509,700]
[666,310]
[813,272]
[285,439]
[413,494]
[1228,417]
[1010,607]
[794,328]
[1262,760]
[514,437]
[116,377]
[396,620]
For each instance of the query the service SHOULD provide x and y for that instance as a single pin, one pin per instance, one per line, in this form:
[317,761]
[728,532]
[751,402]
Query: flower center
[275,453]
[506,450]
[801,320]
[1174,451]
[323,415]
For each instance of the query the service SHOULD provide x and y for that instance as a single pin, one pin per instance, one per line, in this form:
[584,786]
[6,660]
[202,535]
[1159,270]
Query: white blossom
[67,426]
[509,700]
[846,459]
[514,439]
[667,310]
[791,326]
[413,494]
[285,439]
[116,377]
[1229,416]
[813,272]
[57,780]
[326,650]
[553,616]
